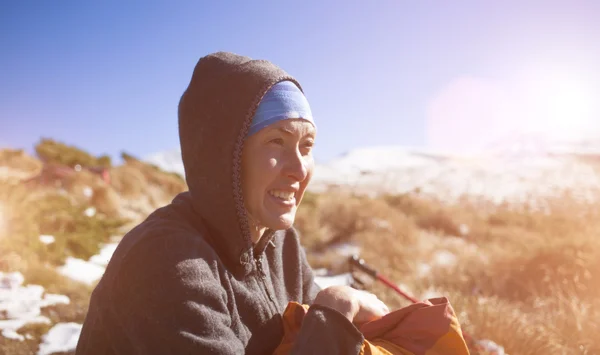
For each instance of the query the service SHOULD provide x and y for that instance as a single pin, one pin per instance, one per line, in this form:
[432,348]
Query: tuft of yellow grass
[128,181]
[526,278]
[18,160]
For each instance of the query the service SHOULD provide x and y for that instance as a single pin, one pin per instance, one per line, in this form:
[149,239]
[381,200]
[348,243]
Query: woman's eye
[277,141]
[307,147]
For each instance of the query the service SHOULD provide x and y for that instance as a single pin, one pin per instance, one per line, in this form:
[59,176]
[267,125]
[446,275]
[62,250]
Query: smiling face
[277,165]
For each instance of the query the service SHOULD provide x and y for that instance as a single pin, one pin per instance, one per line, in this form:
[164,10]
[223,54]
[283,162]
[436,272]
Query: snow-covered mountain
[168,161]
[515,172]
[495,177]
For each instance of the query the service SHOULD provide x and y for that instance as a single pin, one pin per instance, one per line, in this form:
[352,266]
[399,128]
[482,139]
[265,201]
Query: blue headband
[283,101]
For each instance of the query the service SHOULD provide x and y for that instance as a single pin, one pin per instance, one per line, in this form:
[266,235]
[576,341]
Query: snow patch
[464,229]
[11,280]
[21,305]
[423,269]
[81,270]
[321,272]
[382,224]
[345,279]
[88,192]
[103,257]
[63,337]
[88,271]
[168,161]
[11,334]
[345,249]
[47,239]
[490,347]
[51,299]
[90,212]
[444,258]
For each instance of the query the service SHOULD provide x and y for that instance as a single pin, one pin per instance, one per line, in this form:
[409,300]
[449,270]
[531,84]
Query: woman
[213,271]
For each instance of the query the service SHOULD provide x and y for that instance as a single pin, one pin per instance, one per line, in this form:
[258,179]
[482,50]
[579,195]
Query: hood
[215,113]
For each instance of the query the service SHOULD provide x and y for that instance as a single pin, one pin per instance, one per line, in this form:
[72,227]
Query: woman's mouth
[286,198]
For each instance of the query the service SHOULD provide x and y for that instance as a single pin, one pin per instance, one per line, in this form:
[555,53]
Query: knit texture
[187,280]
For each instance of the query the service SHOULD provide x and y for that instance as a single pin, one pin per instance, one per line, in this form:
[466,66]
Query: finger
[378,308]
[385,307]
[382,308]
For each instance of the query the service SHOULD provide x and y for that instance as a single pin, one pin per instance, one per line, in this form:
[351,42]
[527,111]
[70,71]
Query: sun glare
[562,105]
[545,101]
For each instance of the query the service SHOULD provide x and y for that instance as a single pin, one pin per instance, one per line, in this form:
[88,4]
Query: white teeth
[286,196]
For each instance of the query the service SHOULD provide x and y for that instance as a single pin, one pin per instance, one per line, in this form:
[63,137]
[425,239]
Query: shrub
[51,151]
[46,212]
[172,183]
[128,181]
[104,161]
[20,161]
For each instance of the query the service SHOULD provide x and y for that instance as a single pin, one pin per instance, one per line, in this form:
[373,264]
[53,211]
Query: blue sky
[107,76]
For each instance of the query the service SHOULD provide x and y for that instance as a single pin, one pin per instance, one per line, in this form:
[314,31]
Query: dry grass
[106,200]
[18,160]
[128,181]
[82,212]
[170,183]
[147,185]
[526,278]
[25,213]
[337,219]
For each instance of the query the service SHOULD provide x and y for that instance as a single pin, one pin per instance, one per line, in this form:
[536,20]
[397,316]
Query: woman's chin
[281,222]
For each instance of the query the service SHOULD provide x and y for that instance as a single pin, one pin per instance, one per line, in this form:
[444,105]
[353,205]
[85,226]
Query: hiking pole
[356,261]
[361,265]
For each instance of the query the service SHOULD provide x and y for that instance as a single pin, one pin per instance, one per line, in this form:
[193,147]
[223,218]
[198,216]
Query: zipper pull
[260,269]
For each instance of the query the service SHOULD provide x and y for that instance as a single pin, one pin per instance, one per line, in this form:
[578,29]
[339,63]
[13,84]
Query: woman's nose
[296,166]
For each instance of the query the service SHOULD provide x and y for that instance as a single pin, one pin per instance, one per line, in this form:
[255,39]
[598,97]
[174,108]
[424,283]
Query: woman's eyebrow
[285,131]
[289,132]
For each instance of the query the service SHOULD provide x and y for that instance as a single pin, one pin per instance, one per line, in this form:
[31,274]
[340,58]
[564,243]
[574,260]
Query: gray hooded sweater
[188,279]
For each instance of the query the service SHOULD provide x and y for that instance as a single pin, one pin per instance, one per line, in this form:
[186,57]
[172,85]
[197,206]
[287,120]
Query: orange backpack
[423,328]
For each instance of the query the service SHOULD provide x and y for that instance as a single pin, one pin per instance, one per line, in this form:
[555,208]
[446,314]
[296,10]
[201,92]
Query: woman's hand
[356,305]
